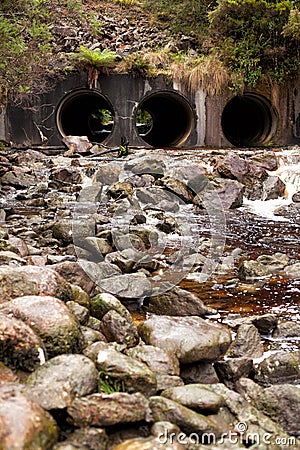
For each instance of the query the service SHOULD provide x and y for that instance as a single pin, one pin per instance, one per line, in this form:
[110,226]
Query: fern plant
[96,61]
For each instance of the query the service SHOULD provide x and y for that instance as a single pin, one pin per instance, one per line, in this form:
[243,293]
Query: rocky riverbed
[121,315]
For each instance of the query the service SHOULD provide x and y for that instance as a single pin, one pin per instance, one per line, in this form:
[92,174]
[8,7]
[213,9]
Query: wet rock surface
[191,339]
[50,319]
[23,423]
[114,329]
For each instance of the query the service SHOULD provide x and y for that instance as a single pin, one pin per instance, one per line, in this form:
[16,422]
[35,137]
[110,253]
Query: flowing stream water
[249,231]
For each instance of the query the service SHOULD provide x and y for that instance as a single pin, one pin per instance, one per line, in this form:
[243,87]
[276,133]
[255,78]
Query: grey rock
[264,265]
[164,409]
[20,347]
[18,178]
[280,402]
[279,368]
[287,329]
[258,424]
[293,271]
[89,336]
[23,423]
[203,372]
[50,319]
[134,285]
[108,174]
[178,302]
[178,188]
[108,409]
[75,274]
[156,359]
[55,384]
[155,195]
[264,323]
[146,165]
[62,231]
[86,438]
[10,258]
[273,188]
[32,280]
[81,313]
[98,247]
[95,272]
[232,166]
[221,194]
[199,397]
[232,369]
[191,339]
[165,381]
[117,328]
[120,190]
[247,343]
[103,303]
[134,375]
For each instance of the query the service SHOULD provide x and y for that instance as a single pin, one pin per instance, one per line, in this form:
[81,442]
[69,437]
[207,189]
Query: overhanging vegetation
[231,42]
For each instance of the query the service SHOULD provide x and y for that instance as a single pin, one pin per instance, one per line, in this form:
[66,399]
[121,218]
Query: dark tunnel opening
[164,119]
[85,113]
[249,120]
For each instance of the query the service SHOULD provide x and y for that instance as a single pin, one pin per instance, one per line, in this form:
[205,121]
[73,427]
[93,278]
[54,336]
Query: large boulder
[156,359]
[108,409]
[279,368]
[146,165]
[50,319]
[178,302]
[23,423]
[20,347]
[264,265]
[131,285]
[249,420]
[189,421]
[55,384]
[221,194]
[32,280]
[121,370]
[280,402]
[191,339]
[198,397]
[117,329]
[247,343]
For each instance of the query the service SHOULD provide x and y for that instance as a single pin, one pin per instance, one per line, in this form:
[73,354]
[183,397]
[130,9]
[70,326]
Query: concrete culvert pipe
[249,120]
[164,119]
[85,113]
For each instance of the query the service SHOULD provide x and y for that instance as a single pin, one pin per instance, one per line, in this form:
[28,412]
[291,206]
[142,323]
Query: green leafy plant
[251,38]
[95,61]
[109,385]
[137,65]
[292,27]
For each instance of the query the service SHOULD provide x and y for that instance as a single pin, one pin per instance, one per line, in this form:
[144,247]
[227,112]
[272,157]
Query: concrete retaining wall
[190,119]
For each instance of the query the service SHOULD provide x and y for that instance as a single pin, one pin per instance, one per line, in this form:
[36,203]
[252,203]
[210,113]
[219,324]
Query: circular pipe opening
[164,119]
[85,113]
[249,120]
